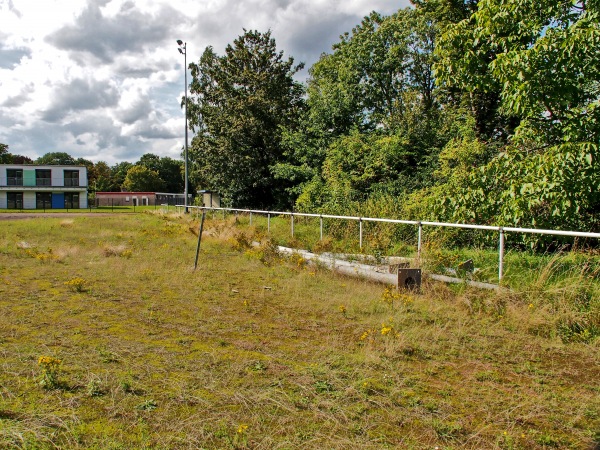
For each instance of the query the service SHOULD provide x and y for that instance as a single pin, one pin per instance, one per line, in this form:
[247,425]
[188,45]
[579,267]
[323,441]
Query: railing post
[250,218]
[360,232]
[501,257]
[321,225]
[420,241]
[269,223]
[199,238]
[292,224]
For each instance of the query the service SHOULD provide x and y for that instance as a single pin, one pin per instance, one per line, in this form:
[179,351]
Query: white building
[26,186]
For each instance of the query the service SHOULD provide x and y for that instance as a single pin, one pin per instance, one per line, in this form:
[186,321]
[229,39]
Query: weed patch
[252,350]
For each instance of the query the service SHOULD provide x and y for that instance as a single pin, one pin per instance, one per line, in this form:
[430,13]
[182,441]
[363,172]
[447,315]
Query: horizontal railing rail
[420,224]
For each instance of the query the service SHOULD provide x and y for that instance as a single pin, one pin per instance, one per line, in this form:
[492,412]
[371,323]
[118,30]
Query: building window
[71,178]
[71,200]
[14,177]
[14,200]
[43,200]
[43,177]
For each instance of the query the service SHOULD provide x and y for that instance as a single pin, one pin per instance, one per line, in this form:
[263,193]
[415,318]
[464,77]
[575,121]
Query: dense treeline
[466,111]
[150,174]
[481,111]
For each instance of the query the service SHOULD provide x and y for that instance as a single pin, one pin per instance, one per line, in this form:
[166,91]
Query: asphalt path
[16,216]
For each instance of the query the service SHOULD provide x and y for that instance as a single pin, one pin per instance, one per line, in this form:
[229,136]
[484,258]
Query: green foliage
[58,158]
[103,177]
[555,189]
[541,59]
[5,156]
[169,170]
[241,103]
[118,172]
[372,125]
[304,151]
[363,82]
[356,166]
[142,179]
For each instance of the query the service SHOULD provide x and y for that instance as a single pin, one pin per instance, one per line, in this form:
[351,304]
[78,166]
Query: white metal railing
[420,224]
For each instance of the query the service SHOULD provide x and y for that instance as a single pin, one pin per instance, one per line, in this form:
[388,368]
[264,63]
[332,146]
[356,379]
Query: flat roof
[126,193]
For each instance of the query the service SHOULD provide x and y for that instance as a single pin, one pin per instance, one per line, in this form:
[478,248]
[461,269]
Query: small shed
[210,199]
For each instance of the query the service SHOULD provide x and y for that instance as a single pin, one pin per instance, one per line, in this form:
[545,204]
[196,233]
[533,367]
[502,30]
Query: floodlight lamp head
[179,42]
[180,51]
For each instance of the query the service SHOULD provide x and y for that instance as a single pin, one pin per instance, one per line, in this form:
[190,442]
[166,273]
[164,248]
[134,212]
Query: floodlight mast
[182,49]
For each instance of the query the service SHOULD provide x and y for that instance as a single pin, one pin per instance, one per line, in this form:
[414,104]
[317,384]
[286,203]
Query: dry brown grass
[251,351]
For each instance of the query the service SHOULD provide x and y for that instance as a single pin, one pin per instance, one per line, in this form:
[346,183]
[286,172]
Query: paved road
[14,216]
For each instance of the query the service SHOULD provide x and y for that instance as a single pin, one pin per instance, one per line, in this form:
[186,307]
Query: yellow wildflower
[365,335]
[386,329]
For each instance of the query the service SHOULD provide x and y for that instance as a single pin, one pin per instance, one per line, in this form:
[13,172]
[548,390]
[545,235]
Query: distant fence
[420,224]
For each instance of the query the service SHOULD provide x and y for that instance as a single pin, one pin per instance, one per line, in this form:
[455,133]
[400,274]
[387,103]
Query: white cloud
[102,79]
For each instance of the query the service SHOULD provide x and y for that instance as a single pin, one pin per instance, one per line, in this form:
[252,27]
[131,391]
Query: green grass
[250,351]
[91,209]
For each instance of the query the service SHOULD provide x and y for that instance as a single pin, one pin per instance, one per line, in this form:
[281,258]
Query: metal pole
[321,226]
[360,227]
[185,188]
[292,224]
[269,223]
[420,241]
[250,218]
[501,257]
[199,238]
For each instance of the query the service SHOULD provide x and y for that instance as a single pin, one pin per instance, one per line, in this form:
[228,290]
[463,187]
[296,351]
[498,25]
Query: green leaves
[141,179]
[543,59]
[362,84]
[240,105]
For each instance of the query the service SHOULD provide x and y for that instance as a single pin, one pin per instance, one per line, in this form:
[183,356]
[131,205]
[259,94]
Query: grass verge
[110,340]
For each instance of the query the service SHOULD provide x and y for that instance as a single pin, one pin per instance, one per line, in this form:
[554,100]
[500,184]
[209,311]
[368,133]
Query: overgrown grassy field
[110,340]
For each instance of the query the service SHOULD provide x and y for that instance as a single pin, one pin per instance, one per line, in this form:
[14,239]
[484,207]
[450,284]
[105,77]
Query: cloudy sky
[102,79]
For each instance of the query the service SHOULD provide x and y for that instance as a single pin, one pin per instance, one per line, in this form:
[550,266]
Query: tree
[118,172]
[446,12]
[103,177]
[5,156]
[539,58]
[171,172]
[142,179]
[240,104]
[373,111]
[56,158]
[21,159]
[168,169]
[92,176]
[150,161]
[364,82]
